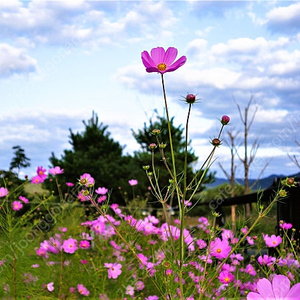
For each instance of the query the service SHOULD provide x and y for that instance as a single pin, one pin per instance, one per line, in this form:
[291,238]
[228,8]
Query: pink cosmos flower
[266,260]
[201,243]
[37,179]
[17,205]
[162,61]
[101,190]
[101,199]
[82,290]
[133,182]
[70,245]
[56,170]
[129,290]
[225,277]
[285,226]
[114,270]
[219,249]
[273,240]
[50,287]
[25,200]
[250,270]
[41,173]
[139,285]
[87,180]
[152,298]
[279,288]
[3,192]
[70,184]
[84,244]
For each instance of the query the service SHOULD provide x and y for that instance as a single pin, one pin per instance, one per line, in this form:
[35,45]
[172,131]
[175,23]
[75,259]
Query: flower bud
[216,142]
[162,146]
[152,146]
[156,131]
[190,98]
[282,193]
[225,120]
[146,168]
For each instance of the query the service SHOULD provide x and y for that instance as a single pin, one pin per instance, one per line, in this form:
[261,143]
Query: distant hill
[263,183]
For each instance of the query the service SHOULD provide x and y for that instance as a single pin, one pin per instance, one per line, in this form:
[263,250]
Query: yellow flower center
[161,67]
[219,250]
[226,279]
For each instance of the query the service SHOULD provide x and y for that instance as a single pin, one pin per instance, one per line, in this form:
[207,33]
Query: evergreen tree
[95,152]
[19,160]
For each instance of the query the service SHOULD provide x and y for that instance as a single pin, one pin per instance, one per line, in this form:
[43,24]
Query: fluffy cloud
[284,18]
[92,23]
[14,61]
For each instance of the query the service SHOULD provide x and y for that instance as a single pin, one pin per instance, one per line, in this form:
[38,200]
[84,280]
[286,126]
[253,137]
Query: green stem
[260,216]
[180,206]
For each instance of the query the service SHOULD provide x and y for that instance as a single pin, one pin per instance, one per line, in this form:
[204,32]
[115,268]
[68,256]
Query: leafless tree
[231,176]
[249,151]
[293,158]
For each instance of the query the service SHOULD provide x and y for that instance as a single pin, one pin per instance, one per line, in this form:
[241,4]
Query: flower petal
[294,292]
[264,287]
[147,60]
[254,296]
[177,64]
[158,55]
[170,55]
[281,286]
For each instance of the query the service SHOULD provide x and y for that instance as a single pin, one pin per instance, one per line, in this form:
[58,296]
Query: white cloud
[270,115]
[284,18]
[15,60]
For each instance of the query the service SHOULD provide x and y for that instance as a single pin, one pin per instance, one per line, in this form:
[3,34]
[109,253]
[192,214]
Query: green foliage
[95,152]
[223,191]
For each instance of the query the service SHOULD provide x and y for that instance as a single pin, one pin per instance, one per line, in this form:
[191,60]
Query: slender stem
[61,274]
[180,205]
[126,243]
[260,216]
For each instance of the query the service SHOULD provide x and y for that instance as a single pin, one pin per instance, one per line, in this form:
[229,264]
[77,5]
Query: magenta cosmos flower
[17,205]
[219,248]
[133,182]
[56,170]
[273,240]
[279,289]
[70,245]
[82,290]
[162,61]
[114,270]
[3,192]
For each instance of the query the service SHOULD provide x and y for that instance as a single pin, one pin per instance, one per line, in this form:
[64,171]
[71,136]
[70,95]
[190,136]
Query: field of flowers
[80,245]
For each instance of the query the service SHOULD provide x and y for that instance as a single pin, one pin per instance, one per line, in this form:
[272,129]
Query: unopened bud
[216,142]
[152,146]
[190,98]
[282,193]
[146,168]
[156,131]
[162,146]
[290,181]
[225,120]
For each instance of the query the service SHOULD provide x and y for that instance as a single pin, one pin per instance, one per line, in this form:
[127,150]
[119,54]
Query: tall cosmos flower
[162,61]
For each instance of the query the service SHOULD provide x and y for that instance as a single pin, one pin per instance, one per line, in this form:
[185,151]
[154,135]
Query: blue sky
[61,60]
